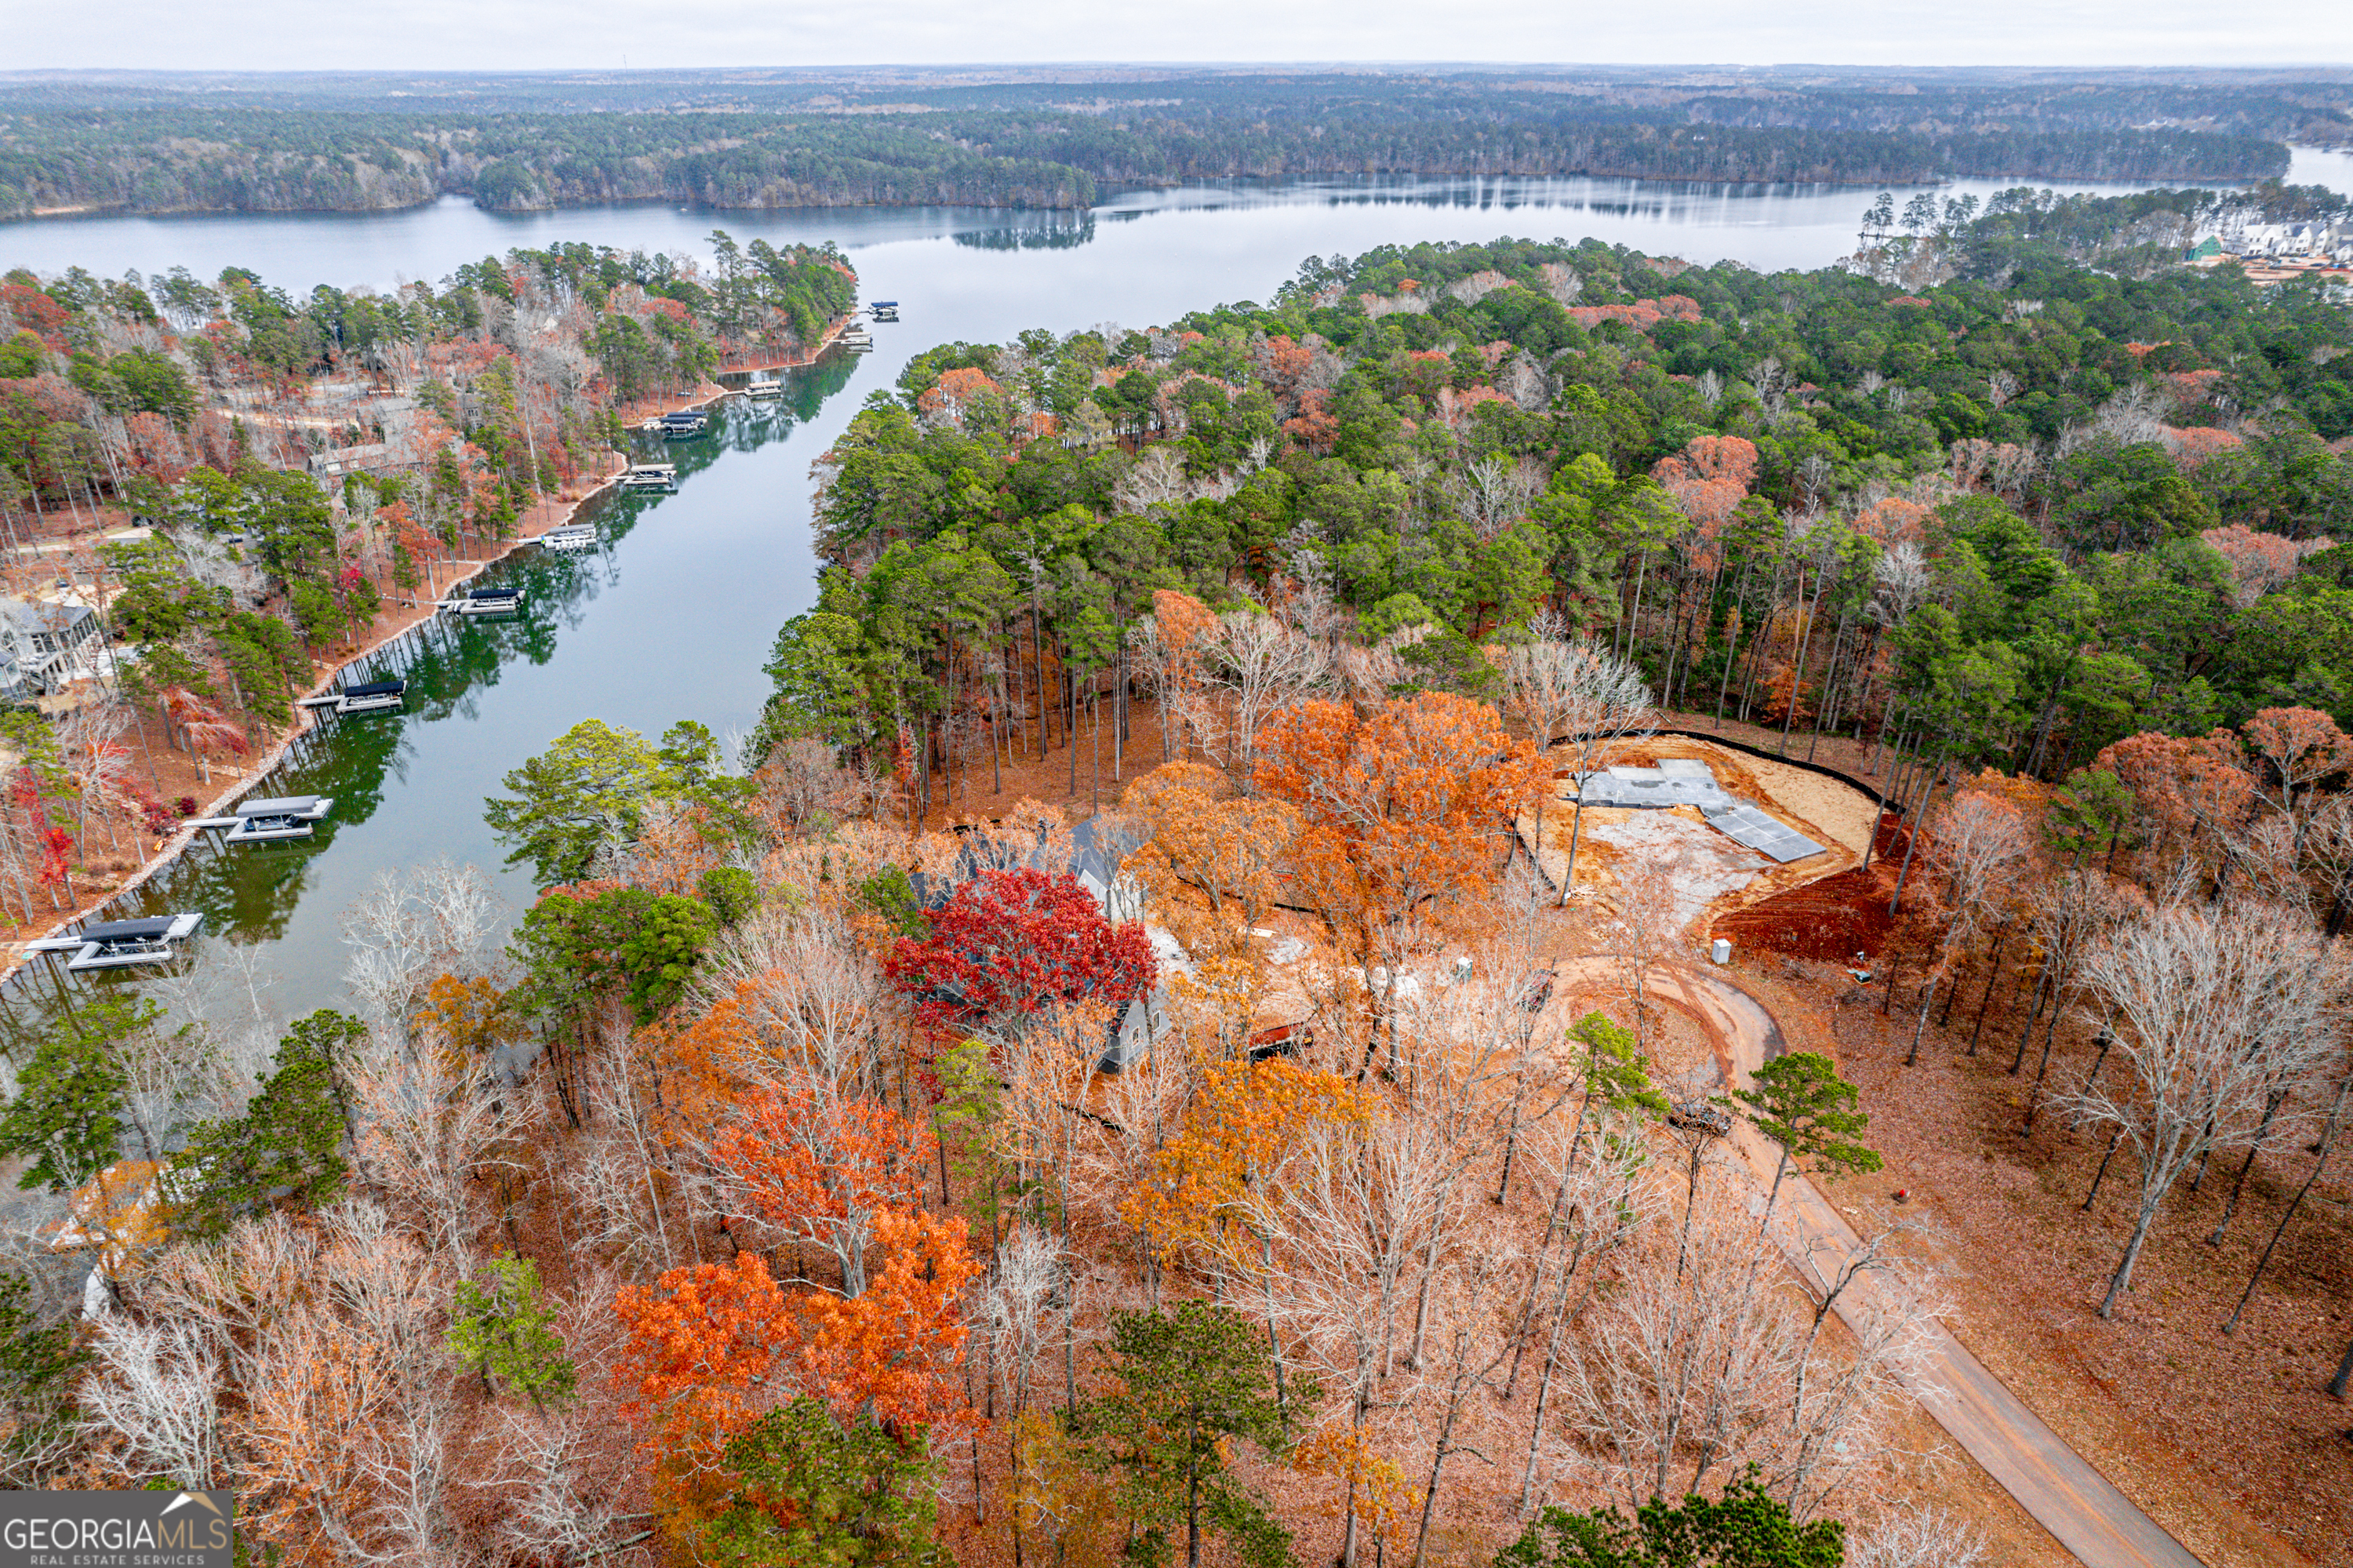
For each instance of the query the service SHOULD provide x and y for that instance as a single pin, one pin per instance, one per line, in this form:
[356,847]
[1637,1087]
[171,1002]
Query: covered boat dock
[118,944]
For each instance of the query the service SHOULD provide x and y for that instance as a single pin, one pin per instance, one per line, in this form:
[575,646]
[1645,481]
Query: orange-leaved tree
[2292,750]
[1212,862]
[1402,815]
[712,1348]
[895,1349]
[2184,788]
[816,1168]
[1245,1120]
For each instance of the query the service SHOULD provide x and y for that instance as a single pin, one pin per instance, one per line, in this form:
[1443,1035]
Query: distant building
[336,464]
[48,645]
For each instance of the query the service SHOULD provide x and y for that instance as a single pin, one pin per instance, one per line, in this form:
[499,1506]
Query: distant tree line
[1031,147]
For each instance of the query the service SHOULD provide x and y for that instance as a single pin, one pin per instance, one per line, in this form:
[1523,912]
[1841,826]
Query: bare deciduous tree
[1260,665]
[1577,691]
[410,928]
[1921,1536]
[2210,1011]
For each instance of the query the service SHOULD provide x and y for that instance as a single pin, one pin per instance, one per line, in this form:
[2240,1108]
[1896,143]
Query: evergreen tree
[1743,1528]
[289,1139]
[67,1118]
[1800,1103]
[501,1328]
[810,1491]
[1192,1384]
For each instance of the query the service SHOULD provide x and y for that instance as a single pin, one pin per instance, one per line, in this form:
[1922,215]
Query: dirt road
[2078,1505]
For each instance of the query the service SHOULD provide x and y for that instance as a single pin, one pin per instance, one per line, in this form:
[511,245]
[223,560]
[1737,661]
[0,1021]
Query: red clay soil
[1830,920]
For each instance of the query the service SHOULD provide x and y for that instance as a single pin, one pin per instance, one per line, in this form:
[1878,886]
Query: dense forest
[163,144]
[763,1199]
[2080,476]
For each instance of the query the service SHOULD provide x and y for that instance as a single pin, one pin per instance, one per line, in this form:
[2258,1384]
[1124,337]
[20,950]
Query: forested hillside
[314,464]
[159,145]
[2032,519]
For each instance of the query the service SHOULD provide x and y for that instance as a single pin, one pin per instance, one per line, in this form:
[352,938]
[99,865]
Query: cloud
[441,34]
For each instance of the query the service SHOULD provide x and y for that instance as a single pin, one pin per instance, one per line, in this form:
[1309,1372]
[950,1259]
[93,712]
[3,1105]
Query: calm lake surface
[672,617]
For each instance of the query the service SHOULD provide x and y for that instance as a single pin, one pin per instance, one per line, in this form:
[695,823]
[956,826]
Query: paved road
[2059,1487]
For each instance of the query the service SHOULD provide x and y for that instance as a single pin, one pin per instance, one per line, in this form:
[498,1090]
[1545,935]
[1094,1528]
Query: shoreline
[543,518]
[1106,191]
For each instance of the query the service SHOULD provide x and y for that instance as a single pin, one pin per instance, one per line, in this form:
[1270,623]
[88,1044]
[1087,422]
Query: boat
[651,476]
[291,817]
[373,697]
[572,537]
[487,601]
[116,944]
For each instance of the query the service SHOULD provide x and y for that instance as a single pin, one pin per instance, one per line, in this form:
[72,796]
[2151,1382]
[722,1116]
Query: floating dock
[119,944]
[764,386]
[651,476]
[858,340]
[272,820]
[573,537]
[487,602]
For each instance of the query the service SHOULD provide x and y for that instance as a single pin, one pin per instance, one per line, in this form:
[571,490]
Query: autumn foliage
[712,1348]
[1245,1120]
[814,1169]
[1212,865]
[1009,944]
[1399,807]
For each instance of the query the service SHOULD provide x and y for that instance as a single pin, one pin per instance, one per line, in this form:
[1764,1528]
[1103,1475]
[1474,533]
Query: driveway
[2079,1506]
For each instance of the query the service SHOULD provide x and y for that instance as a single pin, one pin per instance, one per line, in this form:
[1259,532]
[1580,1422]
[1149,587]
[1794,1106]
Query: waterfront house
[48,645]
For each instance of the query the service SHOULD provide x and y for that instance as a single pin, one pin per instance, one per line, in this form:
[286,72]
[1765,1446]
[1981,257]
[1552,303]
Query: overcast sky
[457,35]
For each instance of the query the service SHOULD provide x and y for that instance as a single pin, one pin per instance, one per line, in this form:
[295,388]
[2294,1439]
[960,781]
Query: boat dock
[118,944]
[487,602]
[370,697]
[272,820]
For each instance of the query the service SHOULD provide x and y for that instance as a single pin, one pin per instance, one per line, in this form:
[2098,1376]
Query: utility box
[1721,950]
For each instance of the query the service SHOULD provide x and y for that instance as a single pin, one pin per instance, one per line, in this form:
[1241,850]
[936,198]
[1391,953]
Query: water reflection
[391,773]
[1036,232]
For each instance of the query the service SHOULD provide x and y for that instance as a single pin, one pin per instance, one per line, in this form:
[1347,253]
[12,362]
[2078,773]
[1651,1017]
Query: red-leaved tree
[1009,944]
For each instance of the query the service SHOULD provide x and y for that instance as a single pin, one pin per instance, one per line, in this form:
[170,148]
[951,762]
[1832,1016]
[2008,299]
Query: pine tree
[811,1490]
[1191,1383]
[67,1118]
[289,1142]
[1744,1529]
[1800,1103]
[501,1328]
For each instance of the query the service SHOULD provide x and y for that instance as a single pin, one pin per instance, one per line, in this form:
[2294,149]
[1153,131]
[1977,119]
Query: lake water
[672,617]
